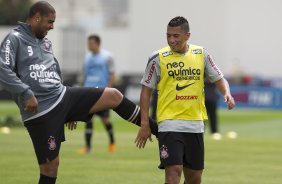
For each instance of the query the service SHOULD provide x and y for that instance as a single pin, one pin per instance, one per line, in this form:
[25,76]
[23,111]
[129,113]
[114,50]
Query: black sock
[88,134]
[131,112]
[46,179]
[110,131]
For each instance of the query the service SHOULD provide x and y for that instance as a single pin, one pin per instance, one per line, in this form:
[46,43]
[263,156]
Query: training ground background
[253,158]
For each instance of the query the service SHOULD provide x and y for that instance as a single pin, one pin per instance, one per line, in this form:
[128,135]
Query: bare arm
[223,86]
[145,105]
[145,131]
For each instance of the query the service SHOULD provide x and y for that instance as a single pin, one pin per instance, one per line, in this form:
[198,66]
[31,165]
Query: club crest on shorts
[164,152]
[52,143]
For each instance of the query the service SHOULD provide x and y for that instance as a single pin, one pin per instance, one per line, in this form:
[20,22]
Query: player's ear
[188,35]
[37,17]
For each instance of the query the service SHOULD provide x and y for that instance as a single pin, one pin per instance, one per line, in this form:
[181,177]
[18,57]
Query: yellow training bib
[181,86]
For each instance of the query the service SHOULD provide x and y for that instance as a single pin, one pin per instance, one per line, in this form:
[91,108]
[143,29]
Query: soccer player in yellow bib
[178,72]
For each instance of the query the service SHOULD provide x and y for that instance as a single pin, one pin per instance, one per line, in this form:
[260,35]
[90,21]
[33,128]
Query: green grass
[253,158]
[8,108]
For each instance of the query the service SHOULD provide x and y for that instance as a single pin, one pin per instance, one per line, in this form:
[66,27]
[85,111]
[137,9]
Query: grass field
[253,158]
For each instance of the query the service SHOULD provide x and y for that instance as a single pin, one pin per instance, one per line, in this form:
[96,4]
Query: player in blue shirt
[98,71]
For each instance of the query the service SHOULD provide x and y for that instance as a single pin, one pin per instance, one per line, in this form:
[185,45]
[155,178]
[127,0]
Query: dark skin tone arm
[31,105]
[145,130]
[223,86]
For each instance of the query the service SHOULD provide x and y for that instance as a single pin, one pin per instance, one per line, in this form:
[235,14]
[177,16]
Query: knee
[115,95]
[194,177]
[50,168]
[173,174]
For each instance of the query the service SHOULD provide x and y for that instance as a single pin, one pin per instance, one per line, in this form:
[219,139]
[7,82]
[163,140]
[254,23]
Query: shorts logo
[164,152]
[52,143]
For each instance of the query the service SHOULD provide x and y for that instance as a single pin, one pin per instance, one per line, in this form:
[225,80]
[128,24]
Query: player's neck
[183,50]
[30,21]
[95,51]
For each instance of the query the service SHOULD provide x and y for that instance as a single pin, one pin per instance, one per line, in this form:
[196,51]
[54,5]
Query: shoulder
[14,34]
[196,49]
[153,56]
[105,53]
[18,34]
[87,56]
[20,31]
[11,39]
[165,51]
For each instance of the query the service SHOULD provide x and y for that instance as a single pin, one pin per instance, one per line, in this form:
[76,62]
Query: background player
[211,100]
[98,71]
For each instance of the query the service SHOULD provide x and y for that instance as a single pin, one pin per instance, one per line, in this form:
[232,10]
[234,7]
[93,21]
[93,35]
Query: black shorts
[177,148]
[47,131]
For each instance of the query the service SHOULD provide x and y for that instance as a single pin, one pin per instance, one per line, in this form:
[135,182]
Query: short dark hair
[179,21]
[96,38]
[41,7]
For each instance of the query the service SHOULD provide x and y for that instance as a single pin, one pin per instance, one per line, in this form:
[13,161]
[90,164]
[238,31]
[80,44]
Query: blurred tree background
[12,11]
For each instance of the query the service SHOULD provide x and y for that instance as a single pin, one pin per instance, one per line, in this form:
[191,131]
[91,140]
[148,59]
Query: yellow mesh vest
[181,86]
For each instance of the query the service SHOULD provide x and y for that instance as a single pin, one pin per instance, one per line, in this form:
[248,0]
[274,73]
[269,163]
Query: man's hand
[142,136]
[71,125]
[31,105]
[229,100]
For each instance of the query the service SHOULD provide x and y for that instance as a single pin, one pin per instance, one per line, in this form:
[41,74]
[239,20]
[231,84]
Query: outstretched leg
[113,99]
